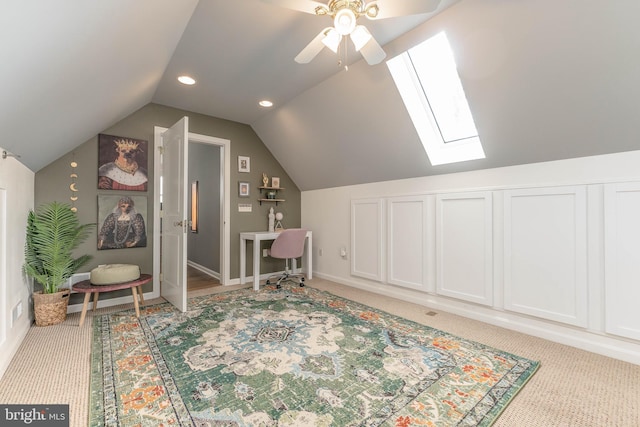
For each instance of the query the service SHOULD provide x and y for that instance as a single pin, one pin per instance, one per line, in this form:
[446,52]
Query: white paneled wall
[549,249]
[16,194]
[545,253]
[464,246]
[409,253]
[367,239]
[622,259]
[446,244]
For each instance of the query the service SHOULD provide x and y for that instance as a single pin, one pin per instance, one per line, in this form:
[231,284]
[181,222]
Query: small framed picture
[275,182]
[243,189]
[244,164]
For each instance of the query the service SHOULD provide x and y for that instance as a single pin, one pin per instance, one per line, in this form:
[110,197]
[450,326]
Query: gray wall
[203,247]
[52,183]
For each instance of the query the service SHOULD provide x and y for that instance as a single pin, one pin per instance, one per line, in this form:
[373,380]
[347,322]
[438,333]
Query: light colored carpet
[572,387]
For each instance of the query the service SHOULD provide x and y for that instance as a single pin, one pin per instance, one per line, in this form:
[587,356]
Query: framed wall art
[122,163]
[244,164]
[193,226]
[243,189]
[122,222]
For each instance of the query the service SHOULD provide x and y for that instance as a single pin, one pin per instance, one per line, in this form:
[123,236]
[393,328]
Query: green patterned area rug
[292,357]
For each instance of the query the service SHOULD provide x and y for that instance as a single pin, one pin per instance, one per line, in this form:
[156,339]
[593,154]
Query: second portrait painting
[122,222]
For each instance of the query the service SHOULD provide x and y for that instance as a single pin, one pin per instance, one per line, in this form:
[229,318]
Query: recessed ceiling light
[265,103]
[186,80]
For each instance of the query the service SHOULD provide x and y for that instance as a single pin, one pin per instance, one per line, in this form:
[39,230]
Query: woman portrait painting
[123,226]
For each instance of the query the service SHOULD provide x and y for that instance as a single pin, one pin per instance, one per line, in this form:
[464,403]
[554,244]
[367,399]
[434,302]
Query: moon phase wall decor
[73,197]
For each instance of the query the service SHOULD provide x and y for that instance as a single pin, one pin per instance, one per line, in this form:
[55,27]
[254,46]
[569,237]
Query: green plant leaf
[53,233]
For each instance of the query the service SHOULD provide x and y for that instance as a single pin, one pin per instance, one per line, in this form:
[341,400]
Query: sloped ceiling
[70,68]
[545,80]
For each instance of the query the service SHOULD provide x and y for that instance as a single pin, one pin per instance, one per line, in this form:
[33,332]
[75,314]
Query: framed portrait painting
[122,163]
[122,222]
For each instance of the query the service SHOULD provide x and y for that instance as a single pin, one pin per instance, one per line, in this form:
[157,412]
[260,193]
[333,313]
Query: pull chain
[341,50]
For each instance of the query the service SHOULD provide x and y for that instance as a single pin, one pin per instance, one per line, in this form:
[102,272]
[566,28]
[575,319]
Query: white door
[173,264]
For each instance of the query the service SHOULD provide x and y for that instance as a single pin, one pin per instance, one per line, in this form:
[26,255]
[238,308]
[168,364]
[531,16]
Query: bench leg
[95,300]
[135,300]
[87,297]
[140,294]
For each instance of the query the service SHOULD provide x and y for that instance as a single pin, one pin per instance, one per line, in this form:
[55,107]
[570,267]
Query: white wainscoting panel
[464,246]
[367,238]
[408,246]
[4,323]
[545,253]
[622,259]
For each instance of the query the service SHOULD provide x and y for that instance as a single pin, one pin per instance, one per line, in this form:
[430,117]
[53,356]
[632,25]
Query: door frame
[225,202]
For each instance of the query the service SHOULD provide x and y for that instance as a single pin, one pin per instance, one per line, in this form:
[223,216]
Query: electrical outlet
[265,252]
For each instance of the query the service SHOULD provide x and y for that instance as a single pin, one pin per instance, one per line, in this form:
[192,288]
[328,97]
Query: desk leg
[243,261]
[135,300]
[256,264]
[308,266]
[87,297]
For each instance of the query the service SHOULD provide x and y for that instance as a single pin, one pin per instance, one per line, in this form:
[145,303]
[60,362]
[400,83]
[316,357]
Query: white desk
[257,237]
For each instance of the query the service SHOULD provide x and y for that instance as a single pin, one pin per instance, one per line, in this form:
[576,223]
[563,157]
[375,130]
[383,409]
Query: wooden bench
[87,288]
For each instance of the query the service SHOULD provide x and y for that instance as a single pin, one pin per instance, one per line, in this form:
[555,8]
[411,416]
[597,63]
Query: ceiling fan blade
[393,8]
[307,6]
[372,52]
[313,48]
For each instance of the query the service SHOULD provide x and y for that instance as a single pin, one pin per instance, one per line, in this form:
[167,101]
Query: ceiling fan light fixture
[360,37]
[345,21]
[321,10]
[371,10]
[332,40]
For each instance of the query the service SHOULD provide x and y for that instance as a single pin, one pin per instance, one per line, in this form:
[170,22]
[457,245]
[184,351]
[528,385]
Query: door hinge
[161,149]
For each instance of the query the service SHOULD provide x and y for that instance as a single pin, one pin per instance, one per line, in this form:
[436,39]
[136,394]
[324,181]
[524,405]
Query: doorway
[203,237]
[223,222]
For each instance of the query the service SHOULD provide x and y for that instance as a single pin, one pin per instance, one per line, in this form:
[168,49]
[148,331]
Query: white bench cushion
[109,274]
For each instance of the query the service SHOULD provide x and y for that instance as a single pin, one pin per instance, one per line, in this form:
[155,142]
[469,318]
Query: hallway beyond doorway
[196,280]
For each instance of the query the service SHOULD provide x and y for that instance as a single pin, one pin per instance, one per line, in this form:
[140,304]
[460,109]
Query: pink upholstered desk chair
[288,245]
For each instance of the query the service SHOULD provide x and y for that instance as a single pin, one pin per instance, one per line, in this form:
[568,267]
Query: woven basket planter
[50,309]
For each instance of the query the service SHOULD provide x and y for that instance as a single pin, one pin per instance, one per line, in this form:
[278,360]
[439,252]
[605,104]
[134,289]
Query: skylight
[428,82]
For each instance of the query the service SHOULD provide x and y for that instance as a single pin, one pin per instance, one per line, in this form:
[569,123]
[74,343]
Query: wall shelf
[268,189]
[271,200]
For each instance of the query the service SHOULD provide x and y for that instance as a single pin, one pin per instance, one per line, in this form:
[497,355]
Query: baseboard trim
[204,269]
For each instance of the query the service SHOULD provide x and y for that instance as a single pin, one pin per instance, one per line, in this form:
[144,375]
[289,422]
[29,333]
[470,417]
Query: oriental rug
[292,357]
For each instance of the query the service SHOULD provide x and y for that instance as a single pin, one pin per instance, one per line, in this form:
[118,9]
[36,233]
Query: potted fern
[53,233]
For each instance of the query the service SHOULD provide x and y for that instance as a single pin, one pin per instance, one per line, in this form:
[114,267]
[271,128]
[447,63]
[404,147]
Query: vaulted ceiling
[545,80]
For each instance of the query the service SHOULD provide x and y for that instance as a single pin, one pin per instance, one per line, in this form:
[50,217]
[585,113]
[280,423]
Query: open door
[173,263]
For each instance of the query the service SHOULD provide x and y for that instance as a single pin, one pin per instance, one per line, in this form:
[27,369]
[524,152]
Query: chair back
[289,244]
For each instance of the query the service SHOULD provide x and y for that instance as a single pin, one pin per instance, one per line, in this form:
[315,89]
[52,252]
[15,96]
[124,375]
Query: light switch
[245,207]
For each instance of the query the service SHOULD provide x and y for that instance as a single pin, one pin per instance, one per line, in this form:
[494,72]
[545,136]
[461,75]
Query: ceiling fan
[345,13]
